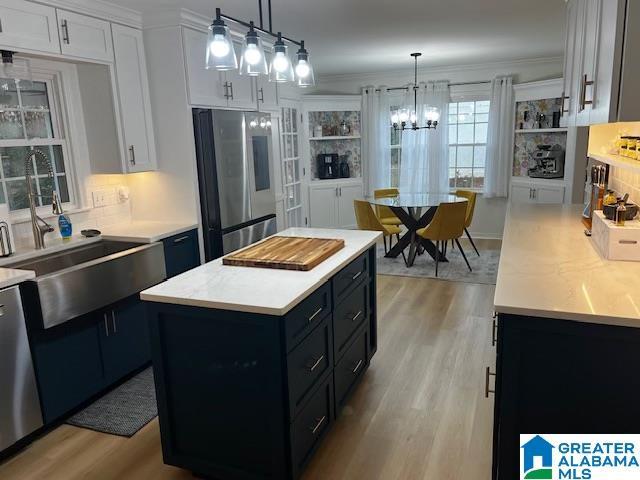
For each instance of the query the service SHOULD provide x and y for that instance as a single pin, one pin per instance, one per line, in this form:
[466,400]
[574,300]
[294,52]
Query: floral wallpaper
[531,109]
[328,124]
[527,143]
[349,151]
[331,122]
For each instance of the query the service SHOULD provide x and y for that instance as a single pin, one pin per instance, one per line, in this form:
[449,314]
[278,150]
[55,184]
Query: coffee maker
[328,166]
[549,162]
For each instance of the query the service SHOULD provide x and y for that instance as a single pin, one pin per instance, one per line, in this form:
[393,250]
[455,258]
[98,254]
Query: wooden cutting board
[286,253]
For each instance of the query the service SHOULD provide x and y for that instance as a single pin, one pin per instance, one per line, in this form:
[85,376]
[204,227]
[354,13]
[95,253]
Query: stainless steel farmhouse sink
[80,280]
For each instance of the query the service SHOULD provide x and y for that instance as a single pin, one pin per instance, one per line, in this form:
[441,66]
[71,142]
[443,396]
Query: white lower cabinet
[536,192]
[331,203]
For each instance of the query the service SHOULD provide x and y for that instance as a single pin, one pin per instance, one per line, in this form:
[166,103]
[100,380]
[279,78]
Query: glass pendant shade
[303,68]
[253,61]
[280,70]
[220,53]
[19,69]
[395,117]
[432,114]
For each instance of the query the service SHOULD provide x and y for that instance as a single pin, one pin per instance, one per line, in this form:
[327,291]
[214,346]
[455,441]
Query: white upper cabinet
[205,87]
[84,37]
[28,26]
[134,100]
[598,59]
[211,88]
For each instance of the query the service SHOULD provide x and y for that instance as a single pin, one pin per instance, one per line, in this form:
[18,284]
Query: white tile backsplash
[114,211]
[625,181]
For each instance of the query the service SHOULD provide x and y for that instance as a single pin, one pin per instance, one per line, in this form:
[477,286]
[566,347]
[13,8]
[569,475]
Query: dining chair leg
[437,255]
[384,240]
[463,255]
[471,240]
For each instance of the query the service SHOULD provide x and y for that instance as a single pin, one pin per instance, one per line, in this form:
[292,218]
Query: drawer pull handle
[628,242]
[318,425]
[486,382]
[494,331]
[317,312]
[356,275]
[355,370]
[181,239]
[315,365]
[356,316]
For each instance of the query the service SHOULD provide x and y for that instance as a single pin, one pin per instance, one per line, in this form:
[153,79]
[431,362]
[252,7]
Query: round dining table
[415,211]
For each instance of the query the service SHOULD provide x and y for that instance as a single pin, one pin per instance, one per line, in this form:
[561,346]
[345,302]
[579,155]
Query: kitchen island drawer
[352,273]
[306,316]
[308,363]
[350,368]
[311,426]
[348,316]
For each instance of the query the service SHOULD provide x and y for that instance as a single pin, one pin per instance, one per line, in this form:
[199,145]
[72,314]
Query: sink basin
[80,280]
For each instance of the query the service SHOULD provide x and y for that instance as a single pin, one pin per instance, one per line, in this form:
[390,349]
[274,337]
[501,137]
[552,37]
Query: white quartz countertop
[259,290]
[550,268]
[145,231]
[11,276]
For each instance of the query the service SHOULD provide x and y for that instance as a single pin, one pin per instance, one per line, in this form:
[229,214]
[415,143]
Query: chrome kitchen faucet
[39,230]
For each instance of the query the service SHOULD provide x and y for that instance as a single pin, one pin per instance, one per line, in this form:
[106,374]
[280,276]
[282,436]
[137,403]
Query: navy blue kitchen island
[252,366]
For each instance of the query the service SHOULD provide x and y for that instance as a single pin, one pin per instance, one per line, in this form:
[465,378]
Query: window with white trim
[29,121]
[468,122]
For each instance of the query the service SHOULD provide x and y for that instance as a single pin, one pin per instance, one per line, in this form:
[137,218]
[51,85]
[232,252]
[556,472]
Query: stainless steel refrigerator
[235,173]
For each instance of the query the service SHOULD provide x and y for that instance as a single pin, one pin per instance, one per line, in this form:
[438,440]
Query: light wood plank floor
[420,412]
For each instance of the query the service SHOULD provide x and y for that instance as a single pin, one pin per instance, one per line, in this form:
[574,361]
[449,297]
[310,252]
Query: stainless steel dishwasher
[20,412]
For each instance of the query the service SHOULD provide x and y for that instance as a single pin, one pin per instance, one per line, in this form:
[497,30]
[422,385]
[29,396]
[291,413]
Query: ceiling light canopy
[221,55]
[407,118]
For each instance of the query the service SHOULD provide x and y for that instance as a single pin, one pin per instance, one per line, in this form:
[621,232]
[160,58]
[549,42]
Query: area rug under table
[485,267]
[124,410]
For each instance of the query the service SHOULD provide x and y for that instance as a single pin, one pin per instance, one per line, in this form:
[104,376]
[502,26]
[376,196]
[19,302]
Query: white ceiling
[363,36]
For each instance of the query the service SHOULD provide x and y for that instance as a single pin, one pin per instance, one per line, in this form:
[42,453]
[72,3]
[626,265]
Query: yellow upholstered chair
[471,206]
[367,220]
[385,214]
[447,224]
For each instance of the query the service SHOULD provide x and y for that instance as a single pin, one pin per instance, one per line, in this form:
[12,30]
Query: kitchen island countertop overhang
[259,290]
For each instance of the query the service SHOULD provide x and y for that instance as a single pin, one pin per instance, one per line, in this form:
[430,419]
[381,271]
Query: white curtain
[500,138]
[425,153]
[376,139]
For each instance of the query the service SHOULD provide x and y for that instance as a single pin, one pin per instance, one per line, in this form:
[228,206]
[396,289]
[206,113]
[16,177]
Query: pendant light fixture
[253,61]
[304,70]
[406,118]
[220,52]
[280,70]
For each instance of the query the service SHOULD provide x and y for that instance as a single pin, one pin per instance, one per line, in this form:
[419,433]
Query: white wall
[490,213]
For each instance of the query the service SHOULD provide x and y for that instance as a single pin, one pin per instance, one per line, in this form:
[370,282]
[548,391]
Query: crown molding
[99,9]
[551,83]
[430,71]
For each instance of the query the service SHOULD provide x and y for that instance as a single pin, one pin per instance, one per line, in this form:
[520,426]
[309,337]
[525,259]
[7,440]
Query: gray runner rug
[124,410]
[485,267]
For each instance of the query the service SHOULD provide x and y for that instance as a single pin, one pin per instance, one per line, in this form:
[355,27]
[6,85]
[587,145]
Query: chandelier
[221,53]
[407,118]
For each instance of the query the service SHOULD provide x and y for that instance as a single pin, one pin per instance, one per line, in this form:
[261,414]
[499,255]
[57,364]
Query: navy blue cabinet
[124,338]
[69,366]
[89,354]
[181,252]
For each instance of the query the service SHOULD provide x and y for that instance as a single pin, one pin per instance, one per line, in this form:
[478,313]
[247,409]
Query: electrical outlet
[99,198]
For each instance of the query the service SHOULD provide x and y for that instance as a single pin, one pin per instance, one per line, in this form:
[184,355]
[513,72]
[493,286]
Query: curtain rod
[451,85]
